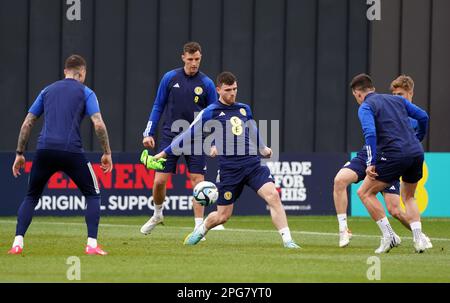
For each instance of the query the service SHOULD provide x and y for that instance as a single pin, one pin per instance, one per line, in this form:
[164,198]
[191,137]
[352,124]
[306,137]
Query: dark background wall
[293,58]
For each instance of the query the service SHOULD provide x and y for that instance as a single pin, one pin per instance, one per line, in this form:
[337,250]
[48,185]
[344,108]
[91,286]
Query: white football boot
[388,243]
[151,224]
[420,245]
[428,241]
[345,237]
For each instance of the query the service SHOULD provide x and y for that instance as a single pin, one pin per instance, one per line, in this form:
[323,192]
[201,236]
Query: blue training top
[179,96]
[387,128]
[237,142]
[64,103]
[362,154]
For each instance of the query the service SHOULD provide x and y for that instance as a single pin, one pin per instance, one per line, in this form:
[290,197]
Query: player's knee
[407,197]
[195,179]
[339,183]
[273,197]
[158,183]
[362,194]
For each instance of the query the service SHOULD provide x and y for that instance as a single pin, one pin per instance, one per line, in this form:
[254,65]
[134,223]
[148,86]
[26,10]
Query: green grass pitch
[249,250]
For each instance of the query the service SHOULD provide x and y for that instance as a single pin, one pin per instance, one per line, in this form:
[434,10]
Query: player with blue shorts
[182,93]
[354,172]
[393,151]
[64,104]
[236,142]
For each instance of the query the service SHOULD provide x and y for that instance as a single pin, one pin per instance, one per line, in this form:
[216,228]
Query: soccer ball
[206,193]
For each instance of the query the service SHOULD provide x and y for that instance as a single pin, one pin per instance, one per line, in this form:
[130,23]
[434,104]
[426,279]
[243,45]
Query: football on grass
[206,193]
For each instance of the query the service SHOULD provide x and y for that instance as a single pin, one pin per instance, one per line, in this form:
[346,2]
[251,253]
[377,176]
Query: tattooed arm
[25,131]
[102,135]
[24,135]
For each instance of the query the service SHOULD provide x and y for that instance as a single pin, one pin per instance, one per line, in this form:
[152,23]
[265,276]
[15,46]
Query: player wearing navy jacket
[236,145]
[182,93]
[355,170]
[64,104]
[393,151]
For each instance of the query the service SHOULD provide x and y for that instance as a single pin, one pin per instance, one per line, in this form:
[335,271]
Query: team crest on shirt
[227,195]
[243,112]
[198,90]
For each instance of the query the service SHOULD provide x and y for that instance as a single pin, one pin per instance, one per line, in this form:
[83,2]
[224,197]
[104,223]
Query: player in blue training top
[64,104]
[236,141]
[393,151]
[182,93]
[355,170]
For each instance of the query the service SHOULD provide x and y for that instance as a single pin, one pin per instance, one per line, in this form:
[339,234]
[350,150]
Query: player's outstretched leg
[343,179]
[367,193]
[92,218]
[420,241]
[269,193]
[42,169]
[159,195]
[24,218]
[395,210]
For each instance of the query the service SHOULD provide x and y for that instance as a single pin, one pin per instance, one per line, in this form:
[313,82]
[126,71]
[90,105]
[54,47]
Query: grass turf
[249,250]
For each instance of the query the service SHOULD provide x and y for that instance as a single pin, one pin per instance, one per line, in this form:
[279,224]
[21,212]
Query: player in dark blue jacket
[393,151]
[236,142]
[354,171]
[182,93]
[64,104]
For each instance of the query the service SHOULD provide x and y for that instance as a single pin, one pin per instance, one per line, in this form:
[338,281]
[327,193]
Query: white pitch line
[226,229]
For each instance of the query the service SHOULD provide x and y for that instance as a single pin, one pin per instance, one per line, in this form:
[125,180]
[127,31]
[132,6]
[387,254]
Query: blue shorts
[230,182]
[195,164]
[392,168]
[358,165]
[75,165]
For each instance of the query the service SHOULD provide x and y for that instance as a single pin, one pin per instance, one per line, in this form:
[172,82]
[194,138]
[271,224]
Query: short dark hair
[362,82]
[225,78]
[192,47]
[75,62]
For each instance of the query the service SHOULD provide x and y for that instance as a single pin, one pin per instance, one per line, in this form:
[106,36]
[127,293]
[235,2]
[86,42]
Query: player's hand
[213,151]
[371,173]
[161,155]
[19,163]
[266,152]
[106,164]
[148,142]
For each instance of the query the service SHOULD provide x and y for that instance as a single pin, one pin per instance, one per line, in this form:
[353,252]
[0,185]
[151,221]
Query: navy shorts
[75,165]
[195,164]
[359,166]
[392,168]
[230,182]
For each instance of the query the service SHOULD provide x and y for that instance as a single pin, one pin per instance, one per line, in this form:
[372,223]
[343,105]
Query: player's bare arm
[24,135]
[25,131]
[102,135]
